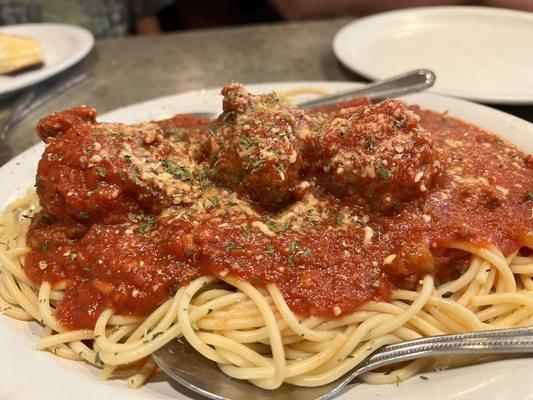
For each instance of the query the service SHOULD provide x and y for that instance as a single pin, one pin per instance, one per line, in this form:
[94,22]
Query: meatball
[256,146]
[377,153]
[56,124]
[94,172]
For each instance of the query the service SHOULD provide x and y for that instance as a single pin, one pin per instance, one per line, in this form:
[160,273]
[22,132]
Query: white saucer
[63,45]
[478,53]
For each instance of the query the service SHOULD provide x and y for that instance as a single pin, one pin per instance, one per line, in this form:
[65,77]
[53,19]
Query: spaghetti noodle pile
[251,333]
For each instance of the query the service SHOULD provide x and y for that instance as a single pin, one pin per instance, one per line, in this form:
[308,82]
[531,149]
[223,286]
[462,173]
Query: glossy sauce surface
[337,208]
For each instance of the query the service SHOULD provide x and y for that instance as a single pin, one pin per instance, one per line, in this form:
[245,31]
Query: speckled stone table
[128,70]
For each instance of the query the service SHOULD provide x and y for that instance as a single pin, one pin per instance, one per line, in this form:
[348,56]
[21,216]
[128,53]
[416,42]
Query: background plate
[478,53]
[63,45]
[28,374]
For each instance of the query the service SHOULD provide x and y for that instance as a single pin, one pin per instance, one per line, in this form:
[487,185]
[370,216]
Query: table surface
[131,69]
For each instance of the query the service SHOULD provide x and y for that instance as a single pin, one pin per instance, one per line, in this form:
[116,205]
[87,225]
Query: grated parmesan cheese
[368,235]
[389,259]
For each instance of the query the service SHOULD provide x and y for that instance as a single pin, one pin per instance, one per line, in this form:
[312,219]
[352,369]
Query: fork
[28,102]
[35,98]
[185,365]
[399,85]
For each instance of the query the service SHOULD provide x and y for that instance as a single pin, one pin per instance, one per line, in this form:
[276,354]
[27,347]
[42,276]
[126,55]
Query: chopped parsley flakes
[84,214]
[383,172]
[270,250]
[292,246]
[179,172]
[258,165]
[272,225]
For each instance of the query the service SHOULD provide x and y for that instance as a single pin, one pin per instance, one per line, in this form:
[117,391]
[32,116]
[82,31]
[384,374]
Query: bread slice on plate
[18,53]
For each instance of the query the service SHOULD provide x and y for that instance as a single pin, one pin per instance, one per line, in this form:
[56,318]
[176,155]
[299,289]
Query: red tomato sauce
[122,237]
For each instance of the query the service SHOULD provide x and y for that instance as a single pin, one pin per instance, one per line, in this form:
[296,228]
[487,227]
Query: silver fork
[28,102]
[185,365]
[35,98]
[399,85]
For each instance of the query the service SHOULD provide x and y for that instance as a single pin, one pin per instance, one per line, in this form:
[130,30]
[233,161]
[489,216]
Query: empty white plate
[479,53]
[63,45]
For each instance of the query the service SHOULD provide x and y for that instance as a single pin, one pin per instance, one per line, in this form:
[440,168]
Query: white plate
[63,45]
[27,374]
[478,53]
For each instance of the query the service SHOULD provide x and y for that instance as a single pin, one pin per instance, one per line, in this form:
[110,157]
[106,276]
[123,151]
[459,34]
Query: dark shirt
[104,18]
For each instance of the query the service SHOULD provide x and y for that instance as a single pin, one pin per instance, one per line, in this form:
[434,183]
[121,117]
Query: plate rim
[79,32]
[345,30]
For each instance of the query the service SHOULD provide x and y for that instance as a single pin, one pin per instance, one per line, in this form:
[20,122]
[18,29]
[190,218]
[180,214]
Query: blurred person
[104,18]
[310,9]
[211,13]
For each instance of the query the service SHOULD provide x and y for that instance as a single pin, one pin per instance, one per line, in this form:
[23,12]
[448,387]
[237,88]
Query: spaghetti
[257,331]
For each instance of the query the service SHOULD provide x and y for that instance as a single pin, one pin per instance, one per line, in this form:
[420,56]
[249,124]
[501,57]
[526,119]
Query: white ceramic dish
[63,45]
[27,374]
[478,53]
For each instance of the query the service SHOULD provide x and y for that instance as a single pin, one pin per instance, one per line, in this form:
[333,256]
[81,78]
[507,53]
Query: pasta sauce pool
[337,208]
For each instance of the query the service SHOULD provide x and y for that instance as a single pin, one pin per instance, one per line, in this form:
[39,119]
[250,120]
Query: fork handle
[21,103]
[489,334]
[50,94]
[420,348]
[410,82]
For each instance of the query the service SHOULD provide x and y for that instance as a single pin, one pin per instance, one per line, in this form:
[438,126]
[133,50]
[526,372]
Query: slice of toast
[19,53]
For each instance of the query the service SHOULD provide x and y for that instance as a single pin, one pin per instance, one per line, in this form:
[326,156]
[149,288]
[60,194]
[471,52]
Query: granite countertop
[128,70]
